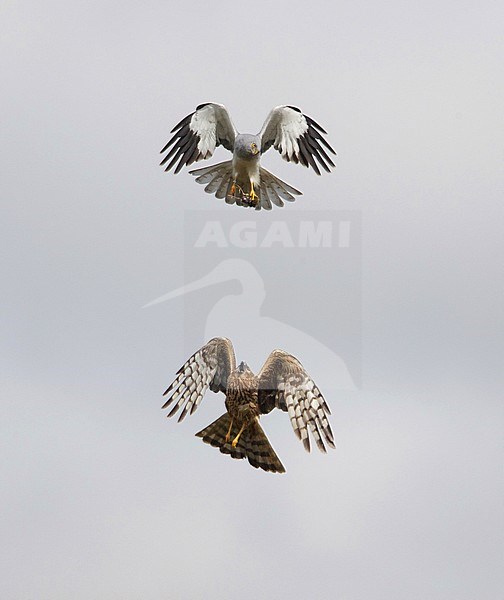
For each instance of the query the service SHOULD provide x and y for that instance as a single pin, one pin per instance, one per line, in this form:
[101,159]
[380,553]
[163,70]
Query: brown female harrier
[282,383]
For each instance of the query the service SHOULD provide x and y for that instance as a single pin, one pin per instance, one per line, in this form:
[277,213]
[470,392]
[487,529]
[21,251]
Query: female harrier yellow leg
[235,441]
[228,434]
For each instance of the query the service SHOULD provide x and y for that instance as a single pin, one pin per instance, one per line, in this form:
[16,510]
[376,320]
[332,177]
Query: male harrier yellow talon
[233,189]
[253,196]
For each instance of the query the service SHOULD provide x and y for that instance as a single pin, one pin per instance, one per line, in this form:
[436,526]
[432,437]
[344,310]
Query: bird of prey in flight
[242,180]
[282,383]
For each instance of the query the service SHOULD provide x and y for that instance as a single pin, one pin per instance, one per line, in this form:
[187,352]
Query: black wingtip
[173,410]
[179,125]
[314,123]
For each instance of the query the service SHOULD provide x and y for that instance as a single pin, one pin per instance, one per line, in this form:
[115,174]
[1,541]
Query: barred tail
[218,178]
[219,181]
[252,444]
[275,190]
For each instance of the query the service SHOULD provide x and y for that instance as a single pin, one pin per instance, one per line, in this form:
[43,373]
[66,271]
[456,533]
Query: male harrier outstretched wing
[284,384]
[242,180]
[210,367]
[198,134]
[296,136]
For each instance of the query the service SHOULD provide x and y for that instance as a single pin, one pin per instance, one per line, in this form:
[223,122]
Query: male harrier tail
[242,180]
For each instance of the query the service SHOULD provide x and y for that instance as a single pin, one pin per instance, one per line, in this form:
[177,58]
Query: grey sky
[102,497]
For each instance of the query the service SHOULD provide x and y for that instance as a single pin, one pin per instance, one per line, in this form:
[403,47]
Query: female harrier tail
[252,443]
[225,181]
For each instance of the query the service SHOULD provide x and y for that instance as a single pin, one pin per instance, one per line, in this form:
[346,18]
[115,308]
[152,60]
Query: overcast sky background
[101,496]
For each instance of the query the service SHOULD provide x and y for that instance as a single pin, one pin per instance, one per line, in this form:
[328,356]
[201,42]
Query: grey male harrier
[242,180]
[282,383]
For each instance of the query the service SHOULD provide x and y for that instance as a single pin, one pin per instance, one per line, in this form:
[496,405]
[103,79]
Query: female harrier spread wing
[210,367]
[282,383]
[242,180]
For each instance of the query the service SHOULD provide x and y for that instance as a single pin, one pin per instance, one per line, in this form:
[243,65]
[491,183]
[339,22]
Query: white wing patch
[204,125]
[297,137]
[197,135]
[292,127]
